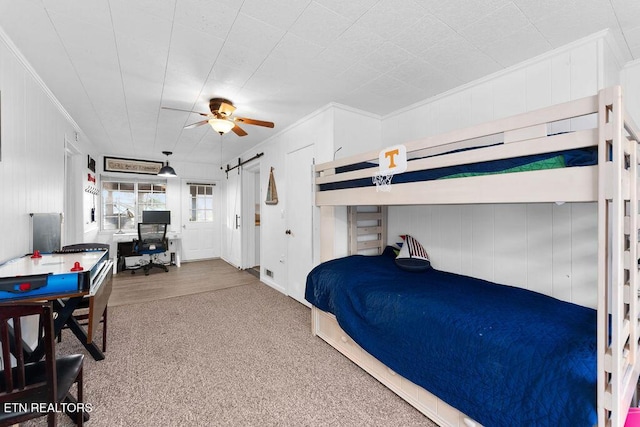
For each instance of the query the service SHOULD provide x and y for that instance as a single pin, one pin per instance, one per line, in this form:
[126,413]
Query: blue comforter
[504,356]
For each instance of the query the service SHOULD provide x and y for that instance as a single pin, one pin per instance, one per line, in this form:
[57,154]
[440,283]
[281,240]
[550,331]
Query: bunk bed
[611,183]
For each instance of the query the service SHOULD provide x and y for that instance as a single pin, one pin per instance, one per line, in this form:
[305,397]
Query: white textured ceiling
[113,63]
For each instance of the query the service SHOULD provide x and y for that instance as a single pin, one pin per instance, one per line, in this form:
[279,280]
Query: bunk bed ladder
[367,229]
[618,227]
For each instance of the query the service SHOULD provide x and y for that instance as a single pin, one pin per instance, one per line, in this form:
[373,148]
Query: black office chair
[46,382]
[152,241]
[80,313]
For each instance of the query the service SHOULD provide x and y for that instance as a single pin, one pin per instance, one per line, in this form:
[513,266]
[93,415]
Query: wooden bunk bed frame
[612,183]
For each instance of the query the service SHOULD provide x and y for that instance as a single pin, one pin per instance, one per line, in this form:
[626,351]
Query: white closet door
[299,230]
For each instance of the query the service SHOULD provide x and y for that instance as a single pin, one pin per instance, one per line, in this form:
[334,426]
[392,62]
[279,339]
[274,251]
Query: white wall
[327,129]
[355,131]
[630,79]
[194,172]
[32,170]
[544,247]
[571,72]
[315,129]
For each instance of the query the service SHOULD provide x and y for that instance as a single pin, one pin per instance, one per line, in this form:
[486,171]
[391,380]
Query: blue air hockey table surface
[57,274]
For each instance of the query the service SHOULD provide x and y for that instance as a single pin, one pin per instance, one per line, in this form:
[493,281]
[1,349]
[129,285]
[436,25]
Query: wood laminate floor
[189,278]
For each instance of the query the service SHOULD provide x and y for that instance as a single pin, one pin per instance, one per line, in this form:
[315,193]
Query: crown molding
[36,77]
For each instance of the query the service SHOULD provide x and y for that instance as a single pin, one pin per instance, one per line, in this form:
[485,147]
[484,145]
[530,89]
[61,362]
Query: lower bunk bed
[507,355]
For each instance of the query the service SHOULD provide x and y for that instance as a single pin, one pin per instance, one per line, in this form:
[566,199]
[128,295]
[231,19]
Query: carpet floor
[240,356]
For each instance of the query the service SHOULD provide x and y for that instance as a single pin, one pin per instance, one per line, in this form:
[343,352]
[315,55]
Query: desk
[51,278]
[174,251]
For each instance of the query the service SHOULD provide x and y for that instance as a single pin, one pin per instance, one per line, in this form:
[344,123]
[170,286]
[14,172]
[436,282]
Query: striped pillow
[412,256]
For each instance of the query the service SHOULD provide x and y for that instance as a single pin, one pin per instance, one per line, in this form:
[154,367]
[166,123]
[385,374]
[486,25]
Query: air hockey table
[65,279]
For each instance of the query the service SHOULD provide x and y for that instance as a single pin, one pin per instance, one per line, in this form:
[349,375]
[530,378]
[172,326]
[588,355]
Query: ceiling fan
[221,118]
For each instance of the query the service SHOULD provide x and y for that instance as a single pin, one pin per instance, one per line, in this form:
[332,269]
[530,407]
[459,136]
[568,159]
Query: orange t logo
[391,156]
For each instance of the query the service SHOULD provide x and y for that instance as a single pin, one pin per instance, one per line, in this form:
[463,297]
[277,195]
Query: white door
[299,215]
[232,237]
[201,220]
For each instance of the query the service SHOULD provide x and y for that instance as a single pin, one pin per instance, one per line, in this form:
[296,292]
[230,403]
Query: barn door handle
[287,232]
[237,223]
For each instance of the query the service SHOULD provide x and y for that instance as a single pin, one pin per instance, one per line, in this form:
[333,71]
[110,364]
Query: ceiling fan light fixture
[221,126]
[167,170]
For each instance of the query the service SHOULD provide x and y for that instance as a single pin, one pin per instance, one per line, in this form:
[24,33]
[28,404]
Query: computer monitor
[156,217]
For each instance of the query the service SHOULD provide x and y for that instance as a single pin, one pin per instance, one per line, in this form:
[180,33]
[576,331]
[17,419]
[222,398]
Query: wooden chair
[47,382]
[81,313]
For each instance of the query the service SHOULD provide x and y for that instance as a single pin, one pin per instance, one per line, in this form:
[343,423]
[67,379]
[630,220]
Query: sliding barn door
[232,241]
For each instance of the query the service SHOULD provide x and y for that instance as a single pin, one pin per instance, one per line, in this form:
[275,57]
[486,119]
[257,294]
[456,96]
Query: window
[123,202]
[201,202]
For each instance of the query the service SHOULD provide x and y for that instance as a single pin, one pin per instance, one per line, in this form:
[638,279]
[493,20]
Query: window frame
[133,210]
[194,202]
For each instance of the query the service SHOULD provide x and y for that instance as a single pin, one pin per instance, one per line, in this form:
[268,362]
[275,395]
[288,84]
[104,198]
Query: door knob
[287,232]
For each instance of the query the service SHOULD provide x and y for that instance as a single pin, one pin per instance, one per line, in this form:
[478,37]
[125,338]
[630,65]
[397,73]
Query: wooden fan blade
[196,124]
[186,111]
[238,131]
[253,122]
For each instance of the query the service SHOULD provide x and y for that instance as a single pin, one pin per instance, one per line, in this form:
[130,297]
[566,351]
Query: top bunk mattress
[561,159]
[503,355]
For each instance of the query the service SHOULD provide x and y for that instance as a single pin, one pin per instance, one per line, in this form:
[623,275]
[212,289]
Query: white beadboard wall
[354,132]
[32,153]
[567,73]
[548,248]
[328,129]
[630,78]
[543,247]
[316,129]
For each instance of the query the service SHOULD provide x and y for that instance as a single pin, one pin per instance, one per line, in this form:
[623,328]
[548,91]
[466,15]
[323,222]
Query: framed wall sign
[118,164]
[91,164]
